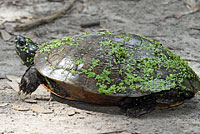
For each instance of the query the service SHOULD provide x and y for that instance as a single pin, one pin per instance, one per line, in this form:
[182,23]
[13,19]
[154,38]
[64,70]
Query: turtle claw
[21,92]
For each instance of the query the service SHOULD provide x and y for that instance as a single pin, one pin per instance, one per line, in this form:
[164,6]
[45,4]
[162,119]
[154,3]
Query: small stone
[80,67]
[71,113]
[5,35]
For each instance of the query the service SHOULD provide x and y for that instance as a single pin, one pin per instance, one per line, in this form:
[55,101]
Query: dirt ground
[143,17]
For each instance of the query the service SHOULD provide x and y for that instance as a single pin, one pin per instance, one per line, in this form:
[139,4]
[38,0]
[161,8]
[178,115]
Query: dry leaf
[41,110]
[19,108]
[3,105]
[30,101]
[5,35]
[13,78]
[14,85]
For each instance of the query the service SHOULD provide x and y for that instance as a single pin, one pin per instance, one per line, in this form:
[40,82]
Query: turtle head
[26,49]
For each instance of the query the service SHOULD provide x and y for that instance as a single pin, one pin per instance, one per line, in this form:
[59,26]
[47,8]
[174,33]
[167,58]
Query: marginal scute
[59,74]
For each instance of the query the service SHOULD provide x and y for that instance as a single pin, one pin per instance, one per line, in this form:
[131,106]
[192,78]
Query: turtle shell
[114,65]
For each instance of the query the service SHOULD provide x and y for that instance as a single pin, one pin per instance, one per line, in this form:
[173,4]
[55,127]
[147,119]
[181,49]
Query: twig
[179,15]
[44,20]
[195,8]
[155,35]
[174,48]
[75,27]
[55,0]
[90,24]
[195,28]
[193,60]
[120,132]
[113,132]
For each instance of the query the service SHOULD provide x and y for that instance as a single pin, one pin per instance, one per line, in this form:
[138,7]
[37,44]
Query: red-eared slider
[130,71]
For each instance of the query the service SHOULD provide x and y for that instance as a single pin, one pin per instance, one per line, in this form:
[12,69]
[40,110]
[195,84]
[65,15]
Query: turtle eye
[20,41]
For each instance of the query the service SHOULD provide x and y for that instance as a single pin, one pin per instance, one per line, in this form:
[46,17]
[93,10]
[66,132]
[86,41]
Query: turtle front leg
[135,107]
[30,81]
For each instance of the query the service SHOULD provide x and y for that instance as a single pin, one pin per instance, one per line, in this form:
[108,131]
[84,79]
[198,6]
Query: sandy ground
[135,16]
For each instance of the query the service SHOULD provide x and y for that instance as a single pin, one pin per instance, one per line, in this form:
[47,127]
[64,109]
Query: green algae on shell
[118,63]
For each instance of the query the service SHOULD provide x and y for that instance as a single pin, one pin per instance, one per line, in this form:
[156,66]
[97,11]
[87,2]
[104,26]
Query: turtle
[107,68]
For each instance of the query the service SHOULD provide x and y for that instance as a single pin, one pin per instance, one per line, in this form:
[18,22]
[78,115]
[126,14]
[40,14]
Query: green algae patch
[142,67]
[48,46]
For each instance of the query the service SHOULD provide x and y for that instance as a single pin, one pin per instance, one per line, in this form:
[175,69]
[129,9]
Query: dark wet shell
[130,66]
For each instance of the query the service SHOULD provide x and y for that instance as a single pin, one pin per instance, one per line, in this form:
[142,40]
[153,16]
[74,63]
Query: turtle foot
[138,111]
[30,81]
[135,107]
